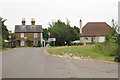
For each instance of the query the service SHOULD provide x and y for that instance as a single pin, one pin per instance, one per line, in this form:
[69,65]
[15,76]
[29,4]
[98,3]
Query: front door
[22,43]
[35,43]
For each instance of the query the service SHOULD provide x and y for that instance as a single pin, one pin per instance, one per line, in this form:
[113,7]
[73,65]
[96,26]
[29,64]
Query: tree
[62,32]
[3,32]
[45,34]
[13,36]
[77,29]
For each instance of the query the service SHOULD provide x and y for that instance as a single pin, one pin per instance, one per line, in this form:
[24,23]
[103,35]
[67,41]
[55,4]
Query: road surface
[34,63]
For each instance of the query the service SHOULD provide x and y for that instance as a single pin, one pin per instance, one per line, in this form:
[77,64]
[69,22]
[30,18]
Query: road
[35,63]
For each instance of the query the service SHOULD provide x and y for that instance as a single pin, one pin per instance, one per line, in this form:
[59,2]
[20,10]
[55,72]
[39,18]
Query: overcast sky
[45,11]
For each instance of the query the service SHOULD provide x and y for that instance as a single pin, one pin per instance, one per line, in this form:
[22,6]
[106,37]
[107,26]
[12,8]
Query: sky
[46,11]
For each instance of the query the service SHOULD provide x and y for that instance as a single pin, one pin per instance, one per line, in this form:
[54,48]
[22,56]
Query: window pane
[22,35]
[35,35]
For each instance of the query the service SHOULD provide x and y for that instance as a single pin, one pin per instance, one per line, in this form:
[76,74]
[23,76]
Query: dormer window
[22,35]
[35,35]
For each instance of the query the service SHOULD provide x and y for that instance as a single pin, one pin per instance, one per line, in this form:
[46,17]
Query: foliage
[3,32]
[18,42]
[77,29]
[45,34]
[39,43]
[3,29]
[29,42]
[13,36]
[110,46]
[63,33]
[118,50]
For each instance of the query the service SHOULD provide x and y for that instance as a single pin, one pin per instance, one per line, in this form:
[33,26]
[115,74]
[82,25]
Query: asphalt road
[34,63]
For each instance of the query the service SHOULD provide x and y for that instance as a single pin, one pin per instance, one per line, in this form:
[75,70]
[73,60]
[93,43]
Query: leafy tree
[13,36]
[45,34]
[77,29]
[3,32]
[62,32]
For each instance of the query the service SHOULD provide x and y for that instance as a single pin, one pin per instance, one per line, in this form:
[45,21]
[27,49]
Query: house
[31,32]
[93,32]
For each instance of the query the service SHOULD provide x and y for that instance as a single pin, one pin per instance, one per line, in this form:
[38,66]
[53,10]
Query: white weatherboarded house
[94,32]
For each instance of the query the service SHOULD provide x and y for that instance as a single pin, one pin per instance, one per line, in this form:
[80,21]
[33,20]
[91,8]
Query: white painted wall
[102,39]
[41,38]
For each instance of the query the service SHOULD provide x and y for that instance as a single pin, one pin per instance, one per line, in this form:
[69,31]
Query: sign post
[49,36]
[9,36]
[52,39]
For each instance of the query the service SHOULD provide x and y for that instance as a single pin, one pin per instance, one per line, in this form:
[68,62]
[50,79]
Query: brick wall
[29,36]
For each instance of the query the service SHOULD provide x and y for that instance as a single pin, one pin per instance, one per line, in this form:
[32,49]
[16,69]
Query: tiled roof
[28,28]
[95,29]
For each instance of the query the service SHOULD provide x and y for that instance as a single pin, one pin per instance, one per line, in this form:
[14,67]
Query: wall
[95,39]
[29,36]
[101,39]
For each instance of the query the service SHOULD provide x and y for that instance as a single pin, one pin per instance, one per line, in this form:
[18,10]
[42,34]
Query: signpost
[10,36]
[49,34]
[52,39]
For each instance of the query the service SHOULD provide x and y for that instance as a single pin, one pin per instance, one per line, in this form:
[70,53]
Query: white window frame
[22,43]
[22,35]
[35,35]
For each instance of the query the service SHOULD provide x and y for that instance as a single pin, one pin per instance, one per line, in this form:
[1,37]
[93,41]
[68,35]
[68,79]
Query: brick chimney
[80,26]
[23,21]
[33,21]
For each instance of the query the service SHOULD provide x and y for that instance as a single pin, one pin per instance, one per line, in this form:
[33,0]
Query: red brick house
[28,32]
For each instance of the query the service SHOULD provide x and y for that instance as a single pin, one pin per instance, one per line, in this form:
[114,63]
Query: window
[22,35]
[86,38]
[22,43]
[35,35]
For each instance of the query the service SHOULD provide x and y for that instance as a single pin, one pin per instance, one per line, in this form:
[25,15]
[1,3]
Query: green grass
[5,49]
[85,51]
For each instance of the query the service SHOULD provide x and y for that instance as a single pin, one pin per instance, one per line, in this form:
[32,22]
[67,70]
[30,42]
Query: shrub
[39,43]
[29,42]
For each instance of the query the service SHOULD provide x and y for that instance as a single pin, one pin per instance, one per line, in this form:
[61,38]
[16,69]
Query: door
[22,43]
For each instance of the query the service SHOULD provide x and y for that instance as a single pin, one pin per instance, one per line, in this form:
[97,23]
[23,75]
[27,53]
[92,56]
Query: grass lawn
[5,49]
[85,51]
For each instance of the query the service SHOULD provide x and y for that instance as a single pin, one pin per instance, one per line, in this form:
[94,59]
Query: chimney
[23,21]
[33,21]
[80,26]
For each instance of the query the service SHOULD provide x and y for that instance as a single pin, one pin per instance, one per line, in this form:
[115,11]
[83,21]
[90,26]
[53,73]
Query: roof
[28,28]
[95,29]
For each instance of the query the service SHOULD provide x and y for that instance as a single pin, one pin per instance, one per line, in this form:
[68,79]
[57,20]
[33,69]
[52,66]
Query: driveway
[34,63]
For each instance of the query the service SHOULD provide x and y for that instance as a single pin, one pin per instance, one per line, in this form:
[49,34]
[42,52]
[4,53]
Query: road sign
[9,36]
[10,31]
[48,33]
[52,39]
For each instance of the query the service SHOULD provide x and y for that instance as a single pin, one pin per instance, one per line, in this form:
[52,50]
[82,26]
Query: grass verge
[91,50]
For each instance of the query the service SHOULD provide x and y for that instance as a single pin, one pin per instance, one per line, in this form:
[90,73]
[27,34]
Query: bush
[107,48]
[29,42]
[39,43]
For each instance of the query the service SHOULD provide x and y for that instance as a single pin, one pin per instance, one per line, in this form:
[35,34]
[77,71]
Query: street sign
[48,33]
[9,36]
[10,31]
[52,39]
